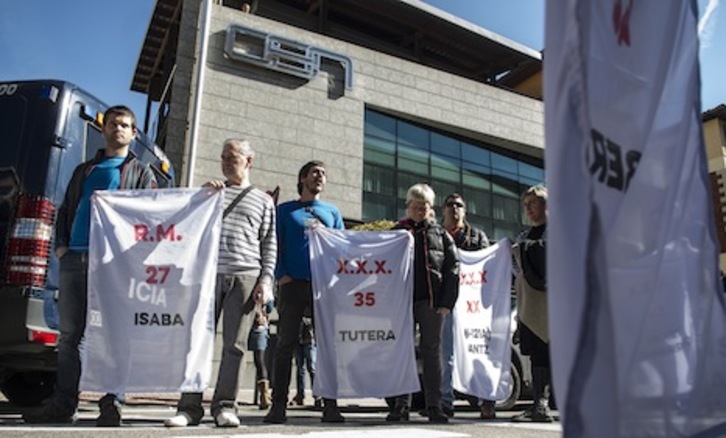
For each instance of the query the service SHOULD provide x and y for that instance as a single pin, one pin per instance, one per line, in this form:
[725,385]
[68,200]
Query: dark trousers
[294,298]
[72,302]
[233,297]
[429,323]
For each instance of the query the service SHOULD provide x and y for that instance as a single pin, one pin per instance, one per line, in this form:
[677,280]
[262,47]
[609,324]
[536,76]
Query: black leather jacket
[436,263]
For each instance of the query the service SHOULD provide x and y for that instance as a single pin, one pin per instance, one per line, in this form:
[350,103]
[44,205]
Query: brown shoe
[488,412]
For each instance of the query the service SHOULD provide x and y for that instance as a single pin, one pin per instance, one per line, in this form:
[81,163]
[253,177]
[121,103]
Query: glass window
[476,176]
[379,151]
[505,209]
[413,136]
[413,160]
[379,125]
[443,145]
[531,172]
[444,168]
[500,162]
[490,182]
[413,166]
[478,202]
[377,207]
[94,140]
[505,184]
[442,190]
[405,181]
[475,154]
[378,180]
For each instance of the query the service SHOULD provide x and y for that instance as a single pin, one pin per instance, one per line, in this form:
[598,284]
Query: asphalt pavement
[144,414]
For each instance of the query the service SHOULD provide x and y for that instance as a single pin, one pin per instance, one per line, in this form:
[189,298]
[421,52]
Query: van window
[12,119]
[94,140]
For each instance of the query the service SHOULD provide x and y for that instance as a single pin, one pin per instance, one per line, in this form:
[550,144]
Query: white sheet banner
[637,317]
[153,260]
[482,323]
[363,297]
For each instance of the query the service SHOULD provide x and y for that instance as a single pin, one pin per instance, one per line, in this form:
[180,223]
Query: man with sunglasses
[467,238]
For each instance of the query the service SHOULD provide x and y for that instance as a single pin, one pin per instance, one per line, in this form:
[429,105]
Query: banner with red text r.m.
[152,267]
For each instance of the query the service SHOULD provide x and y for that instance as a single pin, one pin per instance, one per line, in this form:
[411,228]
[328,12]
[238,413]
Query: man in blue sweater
[293,275]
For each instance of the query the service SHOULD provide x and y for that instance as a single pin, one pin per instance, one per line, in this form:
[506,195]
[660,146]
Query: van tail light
[41,337]
[30,242]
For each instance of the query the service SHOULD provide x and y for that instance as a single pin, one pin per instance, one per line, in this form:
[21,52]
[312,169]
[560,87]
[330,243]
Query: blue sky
[96,44]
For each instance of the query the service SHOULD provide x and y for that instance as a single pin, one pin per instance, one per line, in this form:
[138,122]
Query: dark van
[47,128]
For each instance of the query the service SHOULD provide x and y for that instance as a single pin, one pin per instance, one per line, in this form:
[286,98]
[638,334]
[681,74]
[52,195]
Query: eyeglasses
[453,204]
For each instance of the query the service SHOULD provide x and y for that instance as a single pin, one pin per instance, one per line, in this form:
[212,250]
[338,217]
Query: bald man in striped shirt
[246,267]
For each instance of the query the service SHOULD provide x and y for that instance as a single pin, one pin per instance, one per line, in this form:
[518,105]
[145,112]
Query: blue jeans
[72,302]
[233,297]
[305,356]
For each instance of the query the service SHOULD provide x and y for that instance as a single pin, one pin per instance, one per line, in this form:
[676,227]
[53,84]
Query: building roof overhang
[410,29]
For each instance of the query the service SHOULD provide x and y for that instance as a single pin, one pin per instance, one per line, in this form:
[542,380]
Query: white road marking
[353,433]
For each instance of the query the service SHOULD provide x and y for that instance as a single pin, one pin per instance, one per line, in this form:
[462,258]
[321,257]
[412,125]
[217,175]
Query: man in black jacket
[113,168]
[467,238]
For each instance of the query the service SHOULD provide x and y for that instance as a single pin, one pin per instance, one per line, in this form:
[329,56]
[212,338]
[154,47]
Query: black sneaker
[398,414]
[436,415]
[49,414]
[534,414]
[110,415]
[331,414]
[524,417]
[449,412]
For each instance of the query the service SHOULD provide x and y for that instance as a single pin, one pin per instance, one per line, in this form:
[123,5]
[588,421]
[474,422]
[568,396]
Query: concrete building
[387,93]
[714,133]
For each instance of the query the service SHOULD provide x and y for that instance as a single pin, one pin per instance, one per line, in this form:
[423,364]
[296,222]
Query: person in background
[294,280]
[467,238]
[436,288]
[305,356]
[113,168]
[257,342]
[530,285]
[245,269]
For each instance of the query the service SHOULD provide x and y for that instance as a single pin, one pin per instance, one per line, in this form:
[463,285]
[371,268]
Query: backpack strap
[236,200]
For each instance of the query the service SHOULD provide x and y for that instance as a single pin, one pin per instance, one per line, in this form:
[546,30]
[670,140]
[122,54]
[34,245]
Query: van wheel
[508,403]
[28,388]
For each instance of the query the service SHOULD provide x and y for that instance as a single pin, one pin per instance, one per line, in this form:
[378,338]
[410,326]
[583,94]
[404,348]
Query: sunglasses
[455,204]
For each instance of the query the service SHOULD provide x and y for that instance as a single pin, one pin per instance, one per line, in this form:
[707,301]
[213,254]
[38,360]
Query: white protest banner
[482,323]
[152,267]
[363,297]
[637,318]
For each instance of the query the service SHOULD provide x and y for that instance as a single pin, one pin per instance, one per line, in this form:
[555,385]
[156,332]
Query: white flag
[363,297]
[152,268]
[636,313]
[482,323]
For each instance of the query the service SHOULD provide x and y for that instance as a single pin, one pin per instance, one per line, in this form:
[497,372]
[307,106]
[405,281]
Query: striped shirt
[248,244]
